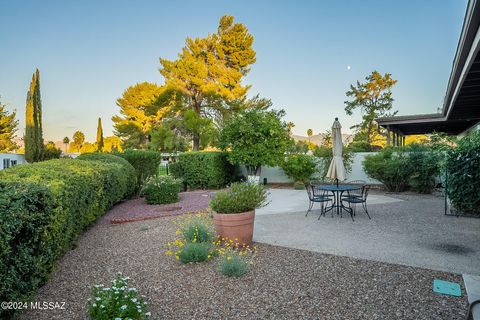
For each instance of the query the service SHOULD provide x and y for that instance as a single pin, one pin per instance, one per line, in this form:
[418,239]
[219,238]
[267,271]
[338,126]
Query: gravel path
[139,210]
[283,284]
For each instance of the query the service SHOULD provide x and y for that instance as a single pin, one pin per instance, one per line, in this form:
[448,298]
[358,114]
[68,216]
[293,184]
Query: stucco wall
[20,158]
[276,174]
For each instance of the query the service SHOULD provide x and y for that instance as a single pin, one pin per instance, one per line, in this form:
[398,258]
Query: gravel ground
[138,209]
[283,283]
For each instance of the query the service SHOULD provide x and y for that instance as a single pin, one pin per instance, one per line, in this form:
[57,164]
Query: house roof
[461,108]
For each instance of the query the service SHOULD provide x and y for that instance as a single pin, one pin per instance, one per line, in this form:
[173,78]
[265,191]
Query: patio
[406,229]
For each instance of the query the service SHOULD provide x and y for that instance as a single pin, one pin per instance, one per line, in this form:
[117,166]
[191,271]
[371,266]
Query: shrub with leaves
[463,167]
[234,259]
[161,190]
[299,167]
[197,229]
[325,154]
[241,197]
[117,302]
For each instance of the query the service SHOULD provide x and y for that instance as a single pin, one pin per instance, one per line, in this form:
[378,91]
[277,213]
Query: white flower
[134,300]
[102,306]
[98,299]
[118,318]
[148,314]
[123,307]
[132,289]
[94,305]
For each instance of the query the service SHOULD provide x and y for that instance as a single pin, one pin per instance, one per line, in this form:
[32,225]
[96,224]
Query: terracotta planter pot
[235,226]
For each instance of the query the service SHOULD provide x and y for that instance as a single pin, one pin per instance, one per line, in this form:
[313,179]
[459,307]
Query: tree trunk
[196,143]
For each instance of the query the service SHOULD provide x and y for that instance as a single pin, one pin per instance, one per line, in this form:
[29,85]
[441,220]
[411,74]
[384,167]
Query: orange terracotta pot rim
[234,214]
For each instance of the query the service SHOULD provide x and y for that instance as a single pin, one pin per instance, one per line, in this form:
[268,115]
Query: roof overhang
[461,108]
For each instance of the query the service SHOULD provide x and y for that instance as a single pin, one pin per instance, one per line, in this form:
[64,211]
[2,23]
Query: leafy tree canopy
[208,73]
[374,99]
[78,140]
[255,138]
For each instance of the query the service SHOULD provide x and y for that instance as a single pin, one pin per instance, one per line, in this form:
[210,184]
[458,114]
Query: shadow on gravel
[451,248]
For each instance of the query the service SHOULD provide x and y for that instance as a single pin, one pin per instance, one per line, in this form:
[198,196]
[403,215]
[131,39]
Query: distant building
[8,160]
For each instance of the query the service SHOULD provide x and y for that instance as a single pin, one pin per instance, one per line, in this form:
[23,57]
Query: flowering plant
[161,190]
[117,302]
[241,197]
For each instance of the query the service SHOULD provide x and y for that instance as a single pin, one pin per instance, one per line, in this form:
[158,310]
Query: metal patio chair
[315,195]
[357,196]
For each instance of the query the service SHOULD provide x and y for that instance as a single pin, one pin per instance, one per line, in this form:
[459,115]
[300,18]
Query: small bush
[360,146]
[161,190]
[196,230]
[203,170]
[463,167]
[299,167]
[194,252]
[390,168]
[298,186]
[241,197]
[232,265]
[145,162]
[325,155]
[117,302]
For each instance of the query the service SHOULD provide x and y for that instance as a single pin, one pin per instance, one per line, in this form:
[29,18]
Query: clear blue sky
[88,52]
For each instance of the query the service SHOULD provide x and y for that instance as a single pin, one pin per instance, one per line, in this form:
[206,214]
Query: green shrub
[390,168]
[196,230]
[145,162]
[194,252]
[241,197]
[161,190]
[414,167]
[203,170]
[298,185]
[232,264]
[44,206]
[117,302]
[463,167]
[129,173]
[299,167]
[425,165]
[360,146]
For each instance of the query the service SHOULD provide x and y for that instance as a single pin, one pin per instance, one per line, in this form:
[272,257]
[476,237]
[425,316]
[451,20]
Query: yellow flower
[229,258]
[168,244]
[177,257]
[168,253]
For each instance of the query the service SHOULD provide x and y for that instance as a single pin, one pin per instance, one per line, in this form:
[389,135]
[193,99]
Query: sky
[308,53]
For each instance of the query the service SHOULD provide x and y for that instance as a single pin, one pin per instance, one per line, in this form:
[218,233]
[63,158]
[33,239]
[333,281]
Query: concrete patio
[405,229]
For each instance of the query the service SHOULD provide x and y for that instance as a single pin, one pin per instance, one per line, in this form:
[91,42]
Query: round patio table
[337,191]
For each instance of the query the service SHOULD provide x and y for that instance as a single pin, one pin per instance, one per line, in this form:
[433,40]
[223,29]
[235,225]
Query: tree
[327,139]
[99,140]
[88,147]
[374,99]
[33,130]
[8,127]
[78,140]
[112,144]
[255,138]
[66,141]
[51,151]
[309,134]
[140,111]
[208,72]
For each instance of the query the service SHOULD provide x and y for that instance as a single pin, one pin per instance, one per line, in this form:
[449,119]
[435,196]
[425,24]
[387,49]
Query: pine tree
[99,140]
[8,127]
[33,130]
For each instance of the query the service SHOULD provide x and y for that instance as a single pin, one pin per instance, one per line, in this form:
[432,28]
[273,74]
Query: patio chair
[357,196]
[315,195]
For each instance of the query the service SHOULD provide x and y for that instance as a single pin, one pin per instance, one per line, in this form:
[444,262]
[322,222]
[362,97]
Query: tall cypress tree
[33,130]
[99,135]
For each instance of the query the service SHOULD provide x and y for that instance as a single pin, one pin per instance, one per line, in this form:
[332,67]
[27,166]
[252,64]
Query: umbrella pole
[337,182]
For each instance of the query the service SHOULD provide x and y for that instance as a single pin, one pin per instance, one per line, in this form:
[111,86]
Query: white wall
[276,174]
[20,158]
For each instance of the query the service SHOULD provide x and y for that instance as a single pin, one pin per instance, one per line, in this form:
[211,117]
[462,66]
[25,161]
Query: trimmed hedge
[203,170]
[44,207]
[130,173]
[145,162]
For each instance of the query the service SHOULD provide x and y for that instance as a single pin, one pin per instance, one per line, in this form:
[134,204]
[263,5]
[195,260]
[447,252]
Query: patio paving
[405,229]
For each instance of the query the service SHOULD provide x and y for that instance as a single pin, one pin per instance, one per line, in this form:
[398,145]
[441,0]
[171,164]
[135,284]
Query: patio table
[337,191]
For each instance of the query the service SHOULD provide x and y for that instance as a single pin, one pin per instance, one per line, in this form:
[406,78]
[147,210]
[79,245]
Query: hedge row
[203,170]
[44,206]
[145,162]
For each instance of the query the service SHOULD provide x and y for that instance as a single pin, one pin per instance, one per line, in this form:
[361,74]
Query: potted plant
[254,138]
[234,211]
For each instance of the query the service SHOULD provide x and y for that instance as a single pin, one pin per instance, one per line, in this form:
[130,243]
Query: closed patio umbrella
[336,170]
